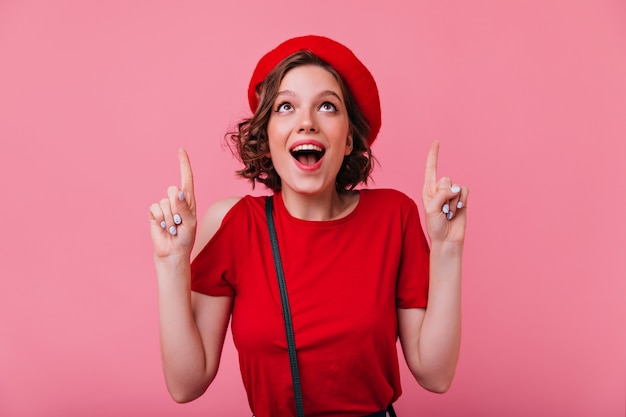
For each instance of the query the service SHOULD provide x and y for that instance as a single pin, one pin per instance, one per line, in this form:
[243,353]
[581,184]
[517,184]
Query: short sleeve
[413,274]
[212,271]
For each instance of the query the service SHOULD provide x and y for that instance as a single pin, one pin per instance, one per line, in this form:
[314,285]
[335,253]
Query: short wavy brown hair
[250,141]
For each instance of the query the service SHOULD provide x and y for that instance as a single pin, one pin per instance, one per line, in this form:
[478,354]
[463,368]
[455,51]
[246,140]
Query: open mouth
[308,154]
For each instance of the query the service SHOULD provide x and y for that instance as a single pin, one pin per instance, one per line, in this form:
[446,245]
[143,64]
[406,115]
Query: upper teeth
[307,147]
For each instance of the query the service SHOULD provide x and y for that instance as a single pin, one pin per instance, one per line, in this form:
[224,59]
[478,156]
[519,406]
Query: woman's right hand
[173,220]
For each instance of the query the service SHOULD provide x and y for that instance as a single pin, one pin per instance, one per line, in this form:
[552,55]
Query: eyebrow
[322,94]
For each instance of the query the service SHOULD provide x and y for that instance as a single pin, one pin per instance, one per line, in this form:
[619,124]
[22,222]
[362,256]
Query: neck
[330,205]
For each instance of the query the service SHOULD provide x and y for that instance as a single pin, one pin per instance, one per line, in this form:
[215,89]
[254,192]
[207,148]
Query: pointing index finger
[430,176]
[186,175]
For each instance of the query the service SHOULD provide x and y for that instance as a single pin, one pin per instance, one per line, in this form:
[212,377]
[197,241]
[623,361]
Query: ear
[349,144]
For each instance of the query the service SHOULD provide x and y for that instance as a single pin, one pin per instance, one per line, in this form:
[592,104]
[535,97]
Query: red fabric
[357,77]
[344,278]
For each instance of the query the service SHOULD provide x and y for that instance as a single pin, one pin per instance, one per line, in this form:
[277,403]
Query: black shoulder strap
[291,344]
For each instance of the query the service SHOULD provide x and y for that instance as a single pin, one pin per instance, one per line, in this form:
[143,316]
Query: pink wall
[528,99]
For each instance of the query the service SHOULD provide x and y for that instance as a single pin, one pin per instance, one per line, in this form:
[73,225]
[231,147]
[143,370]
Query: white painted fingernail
[449,215]
[455,188]
[446,208]
[172,230]
[177,219]
[459,204]
[163,224]
[181,196]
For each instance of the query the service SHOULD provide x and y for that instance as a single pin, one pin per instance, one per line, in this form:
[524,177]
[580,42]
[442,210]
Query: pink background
[528,99]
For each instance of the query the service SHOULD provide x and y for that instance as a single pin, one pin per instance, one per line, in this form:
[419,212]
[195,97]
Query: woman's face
[309,130]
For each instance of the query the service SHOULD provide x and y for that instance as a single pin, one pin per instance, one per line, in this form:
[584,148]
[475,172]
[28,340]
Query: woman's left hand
[444,203]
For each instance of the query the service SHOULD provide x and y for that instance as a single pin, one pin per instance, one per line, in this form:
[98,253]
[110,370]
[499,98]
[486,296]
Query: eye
[284,107]
[328,107]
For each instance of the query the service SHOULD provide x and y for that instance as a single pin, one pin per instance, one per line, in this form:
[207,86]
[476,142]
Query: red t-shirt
[345,278]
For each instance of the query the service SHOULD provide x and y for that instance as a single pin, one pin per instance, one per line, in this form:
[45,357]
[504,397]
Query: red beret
[357,77]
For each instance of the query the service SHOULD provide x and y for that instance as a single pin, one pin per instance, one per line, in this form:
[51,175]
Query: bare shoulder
[211,222]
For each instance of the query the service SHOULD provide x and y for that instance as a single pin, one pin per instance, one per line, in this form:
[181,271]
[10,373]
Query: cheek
[276,141]
[341,129]
[276,131]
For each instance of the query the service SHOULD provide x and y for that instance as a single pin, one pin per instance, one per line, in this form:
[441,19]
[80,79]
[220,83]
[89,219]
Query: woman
[358,268]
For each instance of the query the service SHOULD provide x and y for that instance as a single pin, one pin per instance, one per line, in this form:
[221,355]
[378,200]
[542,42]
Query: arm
[192,328]
[431,337]
[192,325]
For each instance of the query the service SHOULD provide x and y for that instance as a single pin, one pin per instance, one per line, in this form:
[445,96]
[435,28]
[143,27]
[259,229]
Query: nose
[307,123]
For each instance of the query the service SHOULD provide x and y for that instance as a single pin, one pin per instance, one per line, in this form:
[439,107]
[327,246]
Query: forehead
[309,78]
